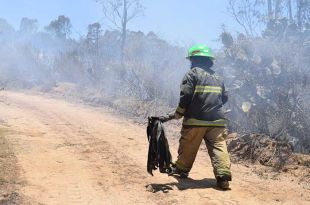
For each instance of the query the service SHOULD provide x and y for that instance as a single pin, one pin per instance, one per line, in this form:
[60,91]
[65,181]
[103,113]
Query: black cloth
[159,155]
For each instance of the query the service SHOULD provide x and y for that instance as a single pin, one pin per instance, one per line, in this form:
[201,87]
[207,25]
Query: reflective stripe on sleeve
[207,89]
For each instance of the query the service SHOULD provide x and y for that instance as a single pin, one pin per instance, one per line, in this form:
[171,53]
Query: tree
[5,27]
[268,74]
[93,34]
[60,28]
[303,13]
[119,13]
[92,39]
[269,9]
[278,13]
[246,13]
[277,9]
[28,25]
[289,7]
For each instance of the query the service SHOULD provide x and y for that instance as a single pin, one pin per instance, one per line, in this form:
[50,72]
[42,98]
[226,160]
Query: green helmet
[200,50]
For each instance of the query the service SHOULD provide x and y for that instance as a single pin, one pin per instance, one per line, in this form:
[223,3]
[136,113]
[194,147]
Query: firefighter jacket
[202,97]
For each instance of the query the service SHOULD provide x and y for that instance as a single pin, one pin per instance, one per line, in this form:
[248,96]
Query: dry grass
[275,156]
[9,172]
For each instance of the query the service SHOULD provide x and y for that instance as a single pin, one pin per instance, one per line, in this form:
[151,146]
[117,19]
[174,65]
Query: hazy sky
[178,21]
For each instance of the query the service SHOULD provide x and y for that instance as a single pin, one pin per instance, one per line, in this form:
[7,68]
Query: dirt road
[75,154]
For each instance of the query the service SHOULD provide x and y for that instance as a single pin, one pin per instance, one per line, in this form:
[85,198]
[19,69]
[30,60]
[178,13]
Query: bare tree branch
[246,14]
[234,13]
[119,13]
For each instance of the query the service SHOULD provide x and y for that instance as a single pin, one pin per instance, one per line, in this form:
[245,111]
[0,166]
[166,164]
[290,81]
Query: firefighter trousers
[214,137]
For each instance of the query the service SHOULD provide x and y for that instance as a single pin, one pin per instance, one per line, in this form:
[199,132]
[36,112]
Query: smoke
[267,78]
[91,65]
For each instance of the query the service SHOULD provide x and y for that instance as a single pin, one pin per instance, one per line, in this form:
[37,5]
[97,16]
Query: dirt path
[75,154]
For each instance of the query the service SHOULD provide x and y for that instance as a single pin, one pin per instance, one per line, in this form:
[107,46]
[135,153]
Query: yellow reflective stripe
[207,89]
[180,110]
[195,122]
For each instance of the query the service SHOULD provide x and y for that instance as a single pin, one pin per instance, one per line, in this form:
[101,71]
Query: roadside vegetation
[9,172]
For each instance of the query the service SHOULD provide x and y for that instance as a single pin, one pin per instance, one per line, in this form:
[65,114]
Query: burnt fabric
[159,155]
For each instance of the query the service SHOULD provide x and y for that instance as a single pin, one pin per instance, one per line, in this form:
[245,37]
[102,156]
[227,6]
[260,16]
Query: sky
[181,22]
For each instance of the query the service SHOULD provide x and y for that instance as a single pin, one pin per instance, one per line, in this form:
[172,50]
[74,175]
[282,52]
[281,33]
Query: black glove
[163,118]
[166,118]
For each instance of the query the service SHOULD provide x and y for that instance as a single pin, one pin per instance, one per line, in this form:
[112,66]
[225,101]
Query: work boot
[175,171]
[222,183]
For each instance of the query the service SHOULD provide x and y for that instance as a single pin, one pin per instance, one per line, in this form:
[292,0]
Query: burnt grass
[271,153]
[9,172]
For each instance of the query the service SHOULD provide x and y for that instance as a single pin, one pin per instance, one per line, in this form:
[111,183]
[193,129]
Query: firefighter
[201,99]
